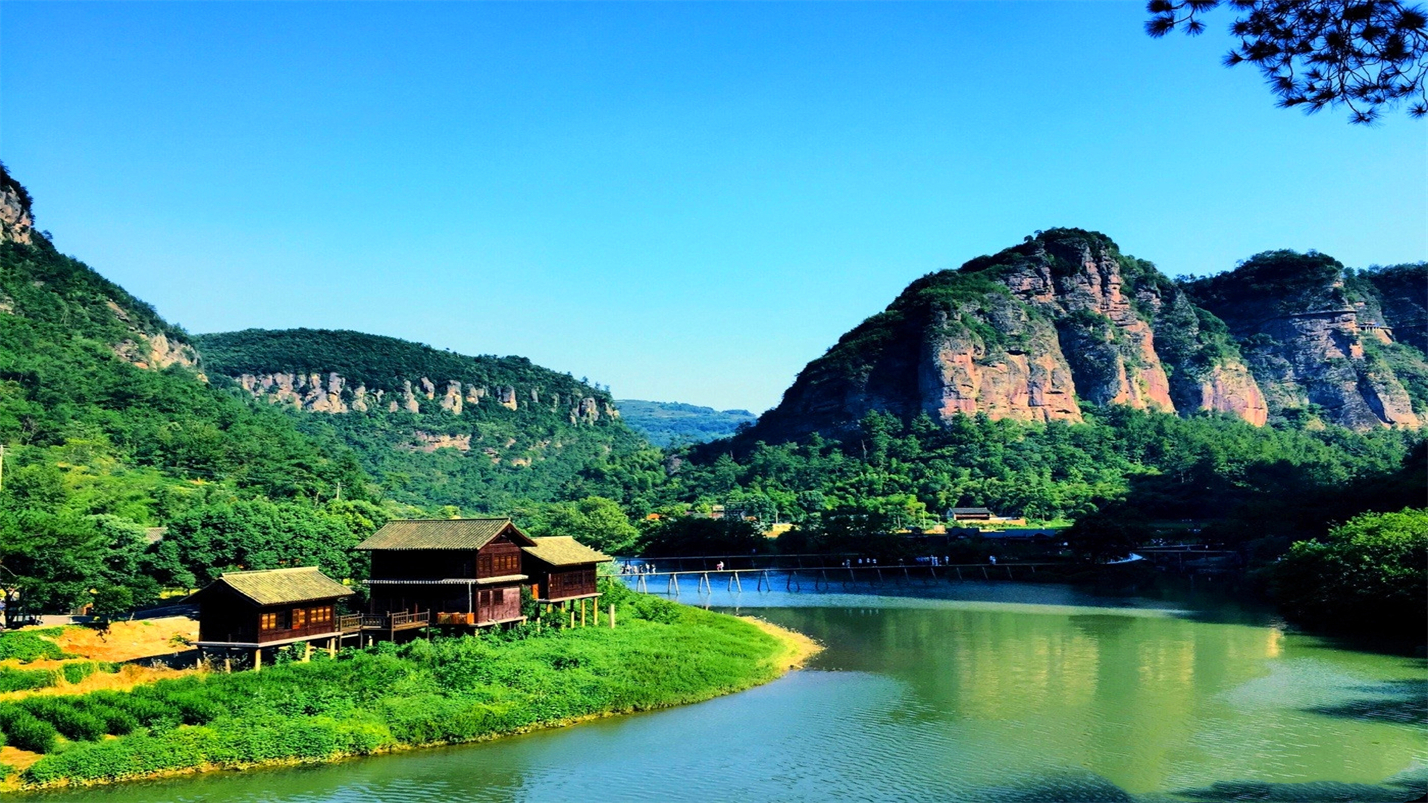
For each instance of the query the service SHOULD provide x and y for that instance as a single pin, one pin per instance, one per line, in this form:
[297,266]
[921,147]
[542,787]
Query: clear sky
[684,202]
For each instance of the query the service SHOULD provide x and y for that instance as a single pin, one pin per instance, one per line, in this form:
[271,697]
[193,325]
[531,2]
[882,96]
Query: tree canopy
[1365,55]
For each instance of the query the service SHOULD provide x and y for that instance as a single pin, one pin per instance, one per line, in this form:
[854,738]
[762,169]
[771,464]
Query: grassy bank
[395,697]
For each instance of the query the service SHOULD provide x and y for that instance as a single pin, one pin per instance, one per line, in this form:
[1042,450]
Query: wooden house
[970,514]
[562,569]
[259,609]
[462,572]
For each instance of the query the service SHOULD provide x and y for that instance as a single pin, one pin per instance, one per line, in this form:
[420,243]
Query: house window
[275,620]
[499,596]
[299,617]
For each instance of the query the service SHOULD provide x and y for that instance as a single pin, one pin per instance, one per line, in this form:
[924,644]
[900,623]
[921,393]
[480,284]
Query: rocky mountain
[1065,319]
[666,423]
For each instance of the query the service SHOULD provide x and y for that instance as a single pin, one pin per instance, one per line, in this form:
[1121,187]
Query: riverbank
[393,698]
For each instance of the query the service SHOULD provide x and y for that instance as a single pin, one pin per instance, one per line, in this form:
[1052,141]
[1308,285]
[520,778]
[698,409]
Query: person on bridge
[719,567]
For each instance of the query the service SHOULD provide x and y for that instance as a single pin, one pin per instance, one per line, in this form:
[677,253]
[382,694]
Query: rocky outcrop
[1305,339]
[16,222]
[429,442]
[331,393]
[155,350]
[1109,346]
[958,375]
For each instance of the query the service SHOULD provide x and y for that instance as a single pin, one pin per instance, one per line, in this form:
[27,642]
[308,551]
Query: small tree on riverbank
[1370,574]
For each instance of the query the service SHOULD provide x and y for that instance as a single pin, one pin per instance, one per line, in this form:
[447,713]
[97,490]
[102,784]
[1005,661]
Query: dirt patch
[130,641]
[797,648]
[17,758]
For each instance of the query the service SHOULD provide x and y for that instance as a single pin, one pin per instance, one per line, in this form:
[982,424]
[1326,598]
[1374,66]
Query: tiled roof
[562,550]
[438,534]
[278,586]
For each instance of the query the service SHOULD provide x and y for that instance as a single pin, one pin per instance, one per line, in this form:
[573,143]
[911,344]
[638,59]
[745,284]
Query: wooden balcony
[349,623]
[393,622]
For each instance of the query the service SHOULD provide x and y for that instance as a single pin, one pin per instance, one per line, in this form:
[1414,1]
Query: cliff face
[16,223]
[1036,331]
[330,392]
[1318,347]
[346,373]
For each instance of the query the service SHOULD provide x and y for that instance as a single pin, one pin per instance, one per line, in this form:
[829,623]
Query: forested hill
[668,423]
[434,427]
[109,429]
[376,370]
[1065,321]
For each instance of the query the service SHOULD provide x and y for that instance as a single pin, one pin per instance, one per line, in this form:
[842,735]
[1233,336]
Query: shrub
[62,713]
[25,679]
[78,670]
[29,645]
[25,732]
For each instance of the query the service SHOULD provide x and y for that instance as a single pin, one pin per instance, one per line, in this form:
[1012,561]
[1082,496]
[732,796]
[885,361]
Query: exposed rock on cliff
[1307,337]
[16,222]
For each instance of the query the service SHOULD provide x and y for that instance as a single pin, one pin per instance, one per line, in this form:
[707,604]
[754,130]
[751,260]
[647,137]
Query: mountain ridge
[1064,319]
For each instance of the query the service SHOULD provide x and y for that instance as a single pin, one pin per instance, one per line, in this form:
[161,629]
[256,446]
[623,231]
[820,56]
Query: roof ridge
[279,569]
[463,518]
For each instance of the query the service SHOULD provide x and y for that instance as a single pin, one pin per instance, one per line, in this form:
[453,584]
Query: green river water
[991,692]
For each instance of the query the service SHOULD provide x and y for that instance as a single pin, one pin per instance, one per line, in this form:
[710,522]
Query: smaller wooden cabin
[259,609]
[561,568]
[970,514]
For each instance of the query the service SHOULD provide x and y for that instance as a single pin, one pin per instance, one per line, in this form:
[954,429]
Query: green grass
[425,692]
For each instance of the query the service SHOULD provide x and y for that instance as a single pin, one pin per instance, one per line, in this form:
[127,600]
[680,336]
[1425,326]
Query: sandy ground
[798,648]
[131,641]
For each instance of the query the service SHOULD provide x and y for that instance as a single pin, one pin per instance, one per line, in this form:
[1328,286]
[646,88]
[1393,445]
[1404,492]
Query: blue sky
[684,202]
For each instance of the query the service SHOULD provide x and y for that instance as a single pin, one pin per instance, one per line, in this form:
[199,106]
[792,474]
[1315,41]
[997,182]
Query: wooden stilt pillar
[595,610]
[612,616]
[306,651]
[227,665]
[258,660]
[572,617]
[582,613]
[332,647]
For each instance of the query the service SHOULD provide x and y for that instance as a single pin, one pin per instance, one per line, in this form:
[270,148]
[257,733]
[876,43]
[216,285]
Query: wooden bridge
[822,578]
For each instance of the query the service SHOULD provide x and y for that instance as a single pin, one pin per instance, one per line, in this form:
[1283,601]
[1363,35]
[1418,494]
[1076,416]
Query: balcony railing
[349,623]
[395,621]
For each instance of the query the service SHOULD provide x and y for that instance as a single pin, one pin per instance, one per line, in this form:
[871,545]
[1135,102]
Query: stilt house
[464,572]
[259,609]
[562,569]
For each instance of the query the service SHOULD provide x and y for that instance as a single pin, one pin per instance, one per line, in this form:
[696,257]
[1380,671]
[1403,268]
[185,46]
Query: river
[973,691]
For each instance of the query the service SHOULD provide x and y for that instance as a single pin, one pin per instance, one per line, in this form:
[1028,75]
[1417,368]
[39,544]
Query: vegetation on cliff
[443,691]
